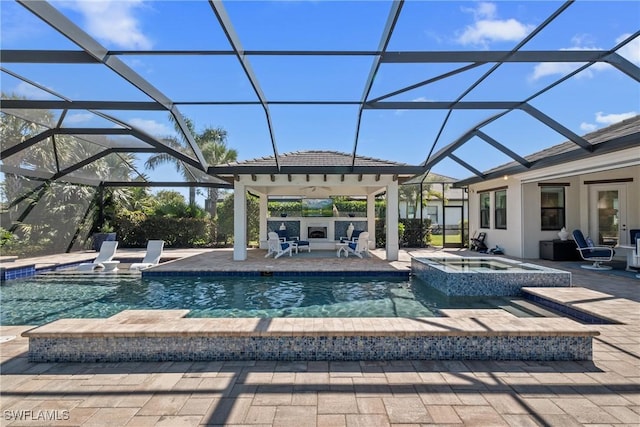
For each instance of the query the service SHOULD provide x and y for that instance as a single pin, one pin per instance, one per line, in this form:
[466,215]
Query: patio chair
[360,247]
[590,252]
[477,243]
[634,260]
[284,237]
[355,235]
[103,260]
[276,247]
[152,257]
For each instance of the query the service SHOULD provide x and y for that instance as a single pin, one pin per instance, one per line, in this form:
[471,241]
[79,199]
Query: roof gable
[628,127]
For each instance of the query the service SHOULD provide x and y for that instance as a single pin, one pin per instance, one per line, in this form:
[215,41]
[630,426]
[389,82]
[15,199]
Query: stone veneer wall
[288,348]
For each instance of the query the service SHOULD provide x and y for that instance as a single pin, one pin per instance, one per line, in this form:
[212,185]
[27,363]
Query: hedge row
[176,232]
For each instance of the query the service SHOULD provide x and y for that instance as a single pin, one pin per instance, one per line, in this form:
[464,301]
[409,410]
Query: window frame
[561,210]
[500,213]
[431,214]
[485,209]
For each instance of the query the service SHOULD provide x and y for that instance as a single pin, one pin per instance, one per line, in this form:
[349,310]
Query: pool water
[48,297]
[482,265]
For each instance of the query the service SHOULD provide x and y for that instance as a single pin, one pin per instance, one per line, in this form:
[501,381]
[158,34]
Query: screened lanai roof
[91,90]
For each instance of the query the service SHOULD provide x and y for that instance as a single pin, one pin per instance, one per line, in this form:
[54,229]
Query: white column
[263,220]
[371,219]
[392,221]
[239,222]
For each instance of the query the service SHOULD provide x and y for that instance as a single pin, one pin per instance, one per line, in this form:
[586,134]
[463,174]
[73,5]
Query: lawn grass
[437,239]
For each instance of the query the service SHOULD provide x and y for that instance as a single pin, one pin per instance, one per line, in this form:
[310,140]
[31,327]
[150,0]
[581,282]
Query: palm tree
[159,159]
[411,194]
[51,214]
[213,144]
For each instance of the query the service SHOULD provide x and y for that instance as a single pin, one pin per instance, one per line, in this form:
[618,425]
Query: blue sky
[595,98]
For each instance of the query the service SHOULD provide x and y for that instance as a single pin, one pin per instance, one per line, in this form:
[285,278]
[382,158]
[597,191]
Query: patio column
[371,219]
[392,221]
[239,222]
[264,210]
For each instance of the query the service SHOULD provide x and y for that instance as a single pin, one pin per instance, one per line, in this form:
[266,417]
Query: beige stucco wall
[523,234]
[531,214]
[509,239]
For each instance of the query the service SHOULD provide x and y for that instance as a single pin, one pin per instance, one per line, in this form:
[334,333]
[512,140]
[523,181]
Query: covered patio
[317,176]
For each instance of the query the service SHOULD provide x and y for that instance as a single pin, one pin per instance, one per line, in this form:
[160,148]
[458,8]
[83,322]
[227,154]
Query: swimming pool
[48,297]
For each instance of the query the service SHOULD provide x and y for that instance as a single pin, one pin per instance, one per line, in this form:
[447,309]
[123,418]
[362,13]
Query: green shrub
[136,229]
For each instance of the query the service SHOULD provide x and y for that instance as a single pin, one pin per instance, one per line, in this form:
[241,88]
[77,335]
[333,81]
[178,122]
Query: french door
[608,214]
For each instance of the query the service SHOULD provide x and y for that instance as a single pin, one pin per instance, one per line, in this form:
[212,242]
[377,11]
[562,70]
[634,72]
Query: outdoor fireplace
[317,232]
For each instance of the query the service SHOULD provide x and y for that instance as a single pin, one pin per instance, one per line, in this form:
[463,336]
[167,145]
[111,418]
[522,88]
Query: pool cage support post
[90,208]
[100,197]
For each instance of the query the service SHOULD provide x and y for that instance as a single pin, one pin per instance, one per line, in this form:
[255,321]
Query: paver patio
[605,391]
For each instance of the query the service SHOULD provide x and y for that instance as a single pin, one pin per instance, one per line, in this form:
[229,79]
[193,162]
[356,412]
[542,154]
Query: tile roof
[623,128]
[315,158]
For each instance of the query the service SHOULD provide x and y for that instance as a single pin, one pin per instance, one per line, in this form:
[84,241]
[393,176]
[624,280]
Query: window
[501,209]
[411,211]
[485,208]
[432,214]
[552,214]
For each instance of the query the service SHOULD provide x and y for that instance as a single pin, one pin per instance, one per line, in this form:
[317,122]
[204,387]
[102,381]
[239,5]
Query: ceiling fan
[315,188]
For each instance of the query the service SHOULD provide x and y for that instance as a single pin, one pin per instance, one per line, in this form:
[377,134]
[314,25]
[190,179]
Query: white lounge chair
[277,248]
[152,257]
[103,261]
[361,246]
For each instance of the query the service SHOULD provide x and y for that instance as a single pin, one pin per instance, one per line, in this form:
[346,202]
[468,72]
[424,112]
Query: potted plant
[106,233]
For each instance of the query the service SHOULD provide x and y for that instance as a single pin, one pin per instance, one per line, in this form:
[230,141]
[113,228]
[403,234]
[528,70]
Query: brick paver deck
[605,391]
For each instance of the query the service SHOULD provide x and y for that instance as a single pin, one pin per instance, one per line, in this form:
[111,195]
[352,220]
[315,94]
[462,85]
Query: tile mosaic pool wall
[136,349]
[17,272]
[166,335]
[486,281]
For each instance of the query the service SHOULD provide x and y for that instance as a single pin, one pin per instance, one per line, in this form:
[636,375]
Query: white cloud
[31,92]
[78,118]
[588,127]
[631,51]
[487,28]
[113,21]
[563,68]
[483,10]
[552,68]
[418,99]
[609,119]
[151,127]
[606,119]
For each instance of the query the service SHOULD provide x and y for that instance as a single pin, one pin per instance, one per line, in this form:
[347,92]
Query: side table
[559,250]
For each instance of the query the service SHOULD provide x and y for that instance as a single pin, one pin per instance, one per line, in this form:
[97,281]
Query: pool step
[532,309]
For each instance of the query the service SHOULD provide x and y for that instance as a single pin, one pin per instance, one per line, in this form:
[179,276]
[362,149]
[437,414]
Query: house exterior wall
[510,238]
[523,233]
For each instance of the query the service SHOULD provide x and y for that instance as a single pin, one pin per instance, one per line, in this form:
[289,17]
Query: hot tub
[466,276]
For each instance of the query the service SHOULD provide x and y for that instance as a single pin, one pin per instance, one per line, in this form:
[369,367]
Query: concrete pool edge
[137,336]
